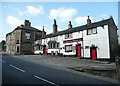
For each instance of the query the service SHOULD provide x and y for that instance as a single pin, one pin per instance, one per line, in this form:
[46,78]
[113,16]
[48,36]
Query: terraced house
[21,39]
[97,40]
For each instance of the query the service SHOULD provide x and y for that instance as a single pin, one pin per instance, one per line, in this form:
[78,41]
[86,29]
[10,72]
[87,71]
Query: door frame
[76,49]
[93,47]
[44,51]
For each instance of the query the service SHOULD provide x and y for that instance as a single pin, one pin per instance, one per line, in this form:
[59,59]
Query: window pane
[94,30]
[27,35]
[65,36]
[54,45]
[89,31]
[70,35]
[68,48]
[58,45]
[40,48]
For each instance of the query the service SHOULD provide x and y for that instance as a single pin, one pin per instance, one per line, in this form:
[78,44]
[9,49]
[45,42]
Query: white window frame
[67,36]
[92,31]
[89,31]
[68,48]
[27,34]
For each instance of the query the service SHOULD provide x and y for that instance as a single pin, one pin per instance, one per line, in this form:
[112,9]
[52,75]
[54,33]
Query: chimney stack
[27,23]
[54,27]
[43,32]
[69,25]
[88,21]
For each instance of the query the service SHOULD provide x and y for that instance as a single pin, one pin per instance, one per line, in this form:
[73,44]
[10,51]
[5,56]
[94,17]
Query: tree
[3,45]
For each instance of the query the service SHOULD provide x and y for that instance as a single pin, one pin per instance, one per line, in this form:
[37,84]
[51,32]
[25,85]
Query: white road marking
[2,61]
[45,80]
[17,68]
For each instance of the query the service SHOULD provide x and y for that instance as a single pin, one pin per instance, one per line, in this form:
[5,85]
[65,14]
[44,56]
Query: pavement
[70,62]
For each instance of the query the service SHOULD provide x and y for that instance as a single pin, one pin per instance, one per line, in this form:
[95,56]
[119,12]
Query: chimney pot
[54,27]
[88,21]
[27,23]
[69,25]
[43,32]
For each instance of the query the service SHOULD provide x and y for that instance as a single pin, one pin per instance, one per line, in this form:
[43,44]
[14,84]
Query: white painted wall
[100,40]
[53,50]
[74,45]
[38,52]
[58,39]
[75,36]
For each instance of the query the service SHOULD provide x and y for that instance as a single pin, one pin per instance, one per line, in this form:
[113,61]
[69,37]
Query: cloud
[62,14]
[32,10]
[82,20]
[104,16]
[14,21]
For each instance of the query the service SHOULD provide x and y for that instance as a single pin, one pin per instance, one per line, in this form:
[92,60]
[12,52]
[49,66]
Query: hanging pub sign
[73,40]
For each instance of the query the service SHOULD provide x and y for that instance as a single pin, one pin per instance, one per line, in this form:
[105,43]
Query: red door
[44,49]
[78,50]
[94,53]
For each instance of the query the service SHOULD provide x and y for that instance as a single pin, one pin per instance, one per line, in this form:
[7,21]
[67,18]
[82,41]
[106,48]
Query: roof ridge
[74,29]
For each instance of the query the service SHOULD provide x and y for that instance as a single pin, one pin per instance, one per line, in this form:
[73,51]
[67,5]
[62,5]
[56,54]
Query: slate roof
[28,28]
[79,28]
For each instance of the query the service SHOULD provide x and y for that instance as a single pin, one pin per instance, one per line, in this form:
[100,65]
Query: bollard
[117,61]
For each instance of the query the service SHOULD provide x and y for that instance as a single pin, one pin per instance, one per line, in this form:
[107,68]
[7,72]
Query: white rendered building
[96,40]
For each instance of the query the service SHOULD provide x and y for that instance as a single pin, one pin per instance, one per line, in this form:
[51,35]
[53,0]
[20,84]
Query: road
[18,71]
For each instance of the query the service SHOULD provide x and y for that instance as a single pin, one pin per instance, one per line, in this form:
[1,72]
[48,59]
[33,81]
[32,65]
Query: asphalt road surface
[17,71]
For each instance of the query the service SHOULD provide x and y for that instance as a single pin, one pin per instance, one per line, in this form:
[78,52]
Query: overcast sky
[43,13]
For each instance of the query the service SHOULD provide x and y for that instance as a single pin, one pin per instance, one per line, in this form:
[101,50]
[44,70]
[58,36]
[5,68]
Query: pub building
[97,40]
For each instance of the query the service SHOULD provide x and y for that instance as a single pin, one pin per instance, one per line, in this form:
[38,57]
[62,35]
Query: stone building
[21,39]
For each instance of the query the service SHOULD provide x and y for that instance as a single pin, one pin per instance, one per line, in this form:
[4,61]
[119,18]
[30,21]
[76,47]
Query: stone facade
[21,39]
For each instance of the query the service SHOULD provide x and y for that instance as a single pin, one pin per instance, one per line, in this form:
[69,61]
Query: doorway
[78,50]
[44,49]
[93,51]
[18,49]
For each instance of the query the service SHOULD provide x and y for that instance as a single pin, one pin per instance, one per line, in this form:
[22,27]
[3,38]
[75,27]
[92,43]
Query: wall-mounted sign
[73,40]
